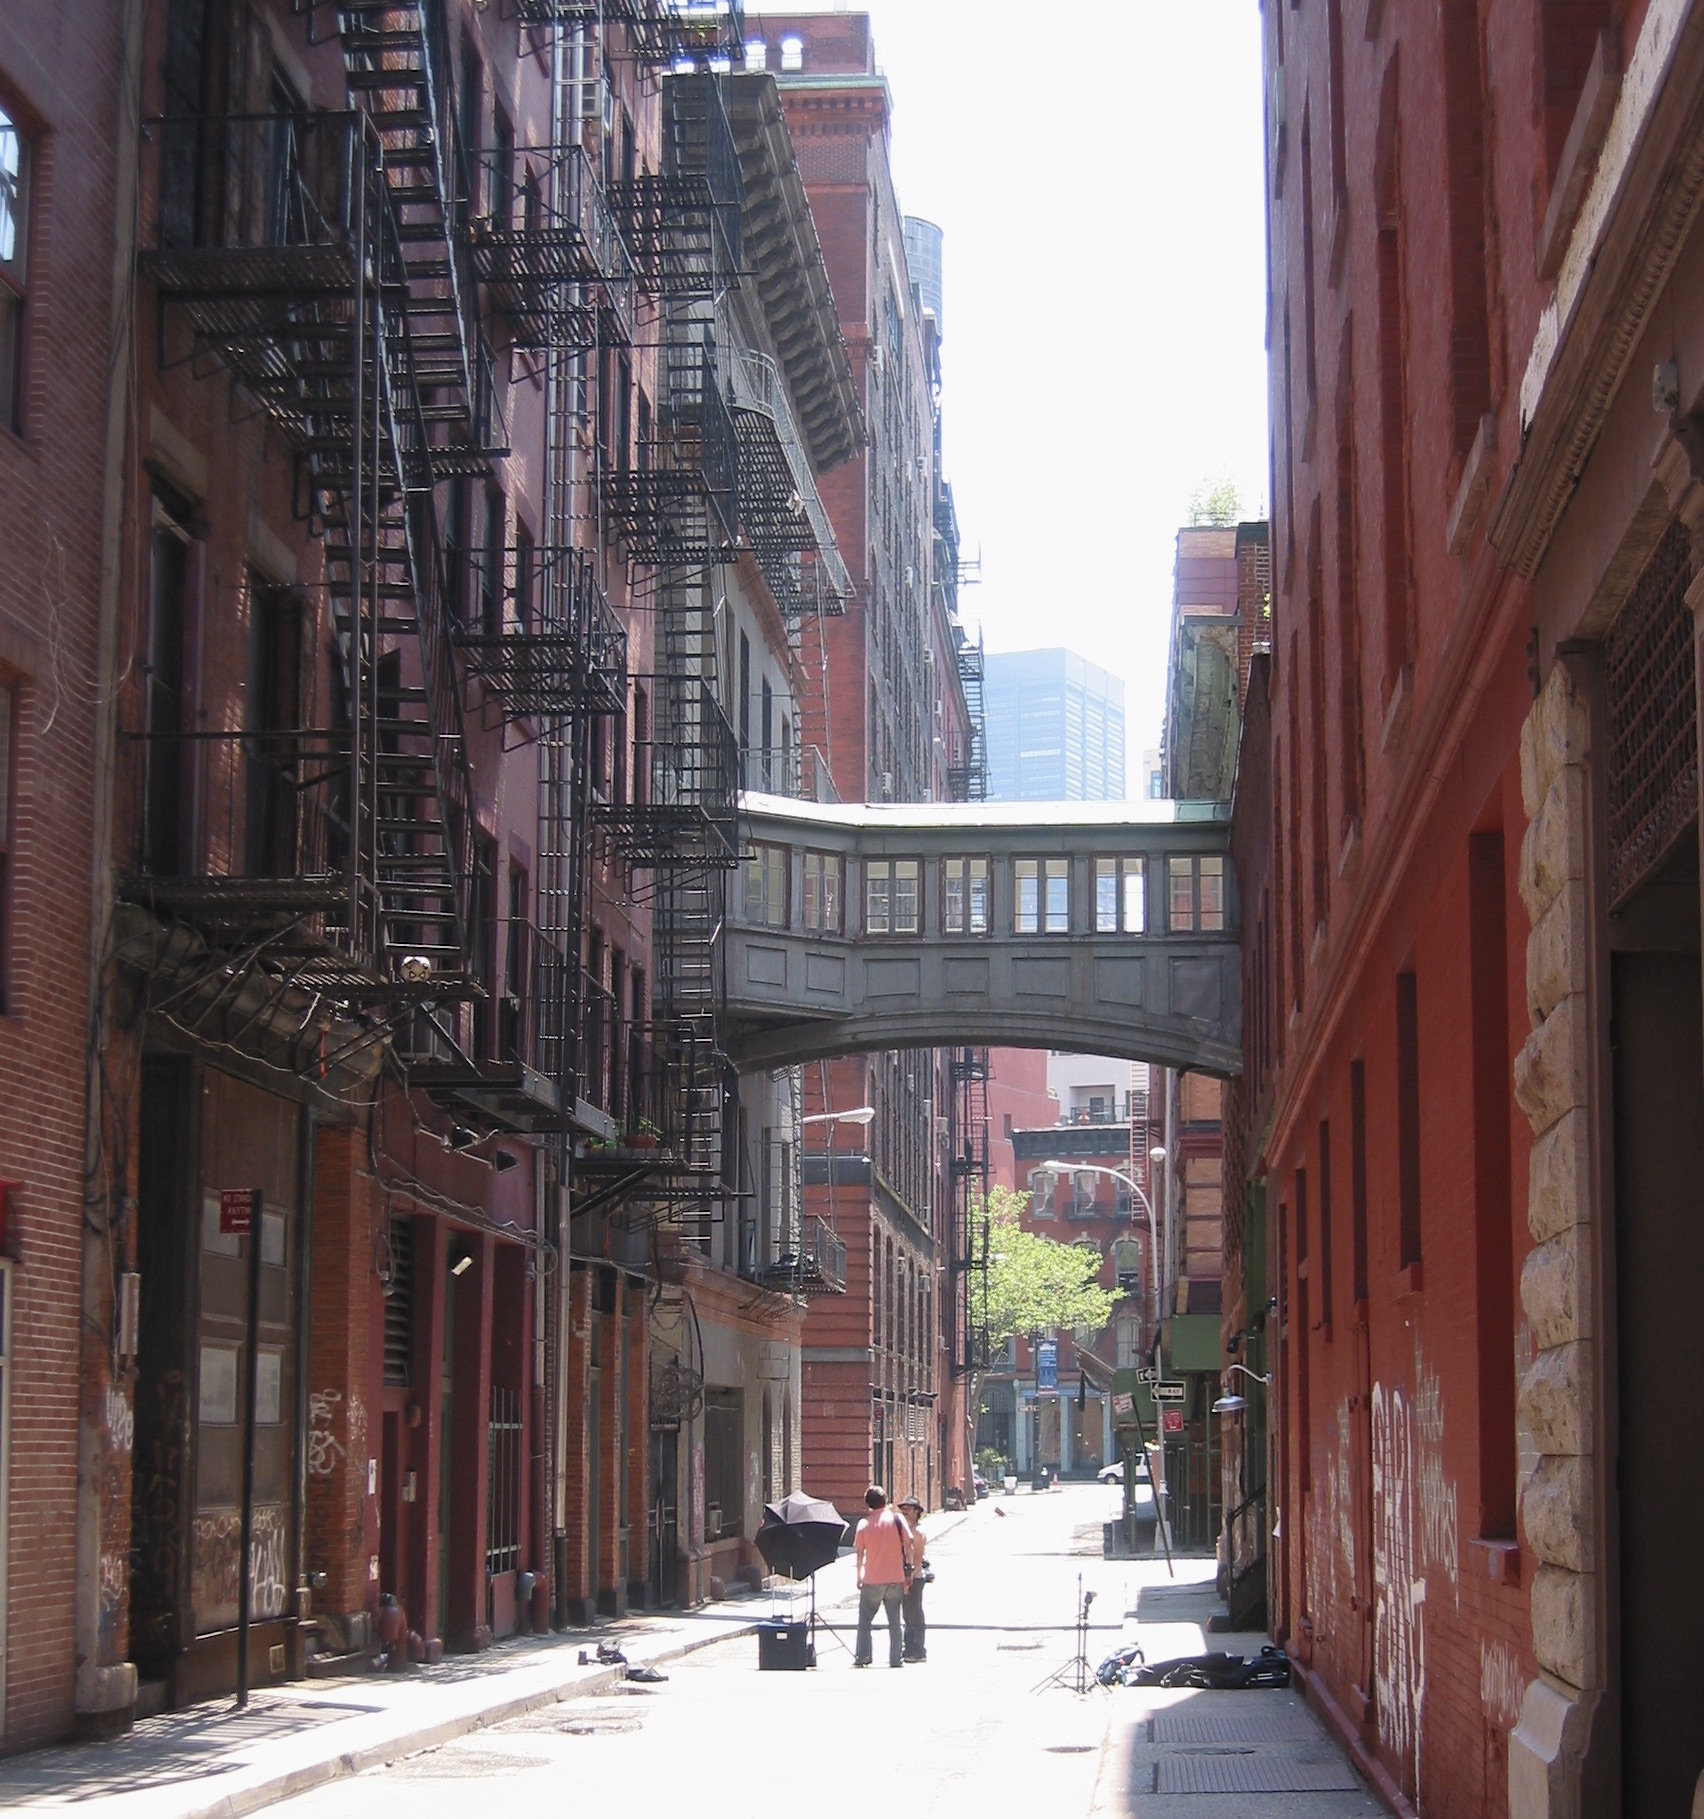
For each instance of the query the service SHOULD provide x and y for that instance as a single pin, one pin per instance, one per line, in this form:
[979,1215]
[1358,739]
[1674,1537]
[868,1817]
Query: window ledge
[1410,1279]
[1580,149]
[1468,506]
[1397,703]
[1502,1559]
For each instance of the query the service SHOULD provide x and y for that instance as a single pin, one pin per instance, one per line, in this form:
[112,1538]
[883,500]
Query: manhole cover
[463,1765]
[1254,1773]
[1069,1749]
[1249,1725]
[592,1724]
[1014,1647]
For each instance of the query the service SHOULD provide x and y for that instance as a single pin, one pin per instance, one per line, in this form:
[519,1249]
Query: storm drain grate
[1251,1725]
[1251,1773]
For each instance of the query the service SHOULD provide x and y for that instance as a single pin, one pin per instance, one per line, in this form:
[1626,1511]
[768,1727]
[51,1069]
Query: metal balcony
[682,222]
[539,632]
[648,1079]
[816,1265]
[546,250]
[781,513]
[674,497]
[662,33]
[684,805]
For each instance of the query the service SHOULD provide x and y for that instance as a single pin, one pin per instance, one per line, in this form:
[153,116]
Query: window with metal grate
[399,1306]
[1652,691]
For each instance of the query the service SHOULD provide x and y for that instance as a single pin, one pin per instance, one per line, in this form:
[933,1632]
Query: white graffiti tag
[1502,1685]
[324,1447]
[120,1420]
[1397,1616]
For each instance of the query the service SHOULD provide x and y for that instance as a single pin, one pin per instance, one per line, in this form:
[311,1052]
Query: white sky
[1096,168]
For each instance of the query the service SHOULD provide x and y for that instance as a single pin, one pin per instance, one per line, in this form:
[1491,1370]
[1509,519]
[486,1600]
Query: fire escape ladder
[661,34]
[968,1263]
[391,49]
[682,222]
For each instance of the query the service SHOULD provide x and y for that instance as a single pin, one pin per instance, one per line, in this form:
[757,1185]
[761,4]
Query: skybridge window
[823,875]
[964,897]
[1197,895]
[892,896]
[766,886]
[1041,901]
[1121,896]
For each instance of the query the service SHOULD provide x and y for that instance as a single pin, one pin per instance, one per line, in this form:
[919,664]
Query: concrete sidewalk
[1197,1754]
[210,1761]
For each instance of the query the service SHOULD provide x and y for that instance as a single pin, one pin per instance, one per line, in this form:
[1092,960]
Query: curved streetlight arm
[1265,1379]
[1118,1174]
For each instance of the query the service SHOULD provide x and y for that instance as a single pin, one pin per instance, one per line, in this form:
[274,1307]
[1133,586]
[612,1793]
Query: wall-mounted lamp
[860,1114]
[1232,1404]
[462,1264]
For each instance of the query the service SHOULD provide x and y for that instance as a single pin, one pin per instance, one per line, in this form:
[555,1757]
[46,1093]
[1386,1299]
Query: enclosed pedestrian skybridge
[1100,928]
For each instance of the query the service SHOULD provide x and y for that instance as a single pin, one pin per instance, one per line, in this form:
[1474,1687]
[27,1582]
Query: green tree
[1033,1284]
[1215,502]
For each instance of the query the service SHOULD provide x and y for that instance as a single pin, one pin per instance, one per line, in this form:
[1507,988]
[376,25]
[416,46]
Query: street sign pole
[251,1355]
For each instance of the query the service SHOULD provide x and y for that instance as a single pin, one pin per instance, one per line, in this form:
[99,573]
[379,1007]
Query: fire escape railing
[674,494]
[781,513]
[682,808]
[546,251]
[278,245]
[539,632]
[661,33]
[682,222]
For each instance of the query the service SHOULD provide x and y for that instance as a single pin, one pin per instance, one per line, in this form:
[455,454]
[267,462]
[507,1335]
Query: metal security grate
[399,1305]
[1252,1773]
[1653,716]
[1247,1724]
[503,1483]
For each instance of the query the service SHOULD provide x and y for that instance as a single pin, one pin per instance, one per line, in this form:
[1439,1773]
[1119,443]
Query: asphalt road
[972,1730]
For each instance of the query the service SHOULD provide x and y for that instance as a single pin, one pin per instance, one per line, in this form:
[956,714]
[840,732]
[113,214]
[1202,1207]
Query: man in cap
[883,1548]
[911,1508]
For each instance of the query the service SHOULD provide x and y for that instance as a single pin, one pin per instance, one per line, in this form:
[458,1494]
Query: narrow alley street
[967,1732]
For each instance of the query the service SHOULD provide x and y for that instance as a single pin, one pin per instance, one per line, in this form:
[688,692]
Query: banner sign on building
[1047,1368]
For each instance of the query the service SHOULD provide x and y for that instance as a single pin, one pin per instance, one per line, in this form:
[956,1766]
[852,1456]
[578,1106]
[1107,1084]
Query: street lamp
[860,1114]
[1231,1404]
[1096,1168]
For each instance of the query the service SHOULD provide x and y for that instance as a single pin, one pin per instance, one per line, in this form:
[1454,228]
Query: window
[823,874]
[792,54]
[724,1464]
[964,897]
[8,720]
[523,579]
[891,896]
[1197,895]
[1043,1184]
[14,248]
[757,55]
[1042,900]
[491,568]
[1121,896]
[766,886]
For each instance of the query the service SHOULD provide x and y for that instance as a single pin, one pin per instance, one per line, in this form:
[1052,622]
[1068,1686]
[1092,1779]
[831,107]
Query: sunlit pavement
[976,1728]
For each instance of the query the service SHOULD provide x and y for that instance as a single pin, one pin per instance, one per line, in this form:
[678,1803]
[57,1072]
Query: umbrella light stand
[823,1623]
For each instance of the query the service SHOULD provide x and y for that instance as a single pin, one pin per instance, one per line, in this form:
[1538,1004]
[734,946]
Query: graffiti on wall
[1398,1646]
[324,1447]
[1502,1685]
[216,1544]
[1416,1535]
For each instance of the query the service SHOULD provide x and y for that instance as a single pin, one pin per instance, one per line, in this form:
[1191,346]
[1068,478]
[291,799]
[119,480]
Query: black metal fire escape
[308,254]
[669,489]
[661,33]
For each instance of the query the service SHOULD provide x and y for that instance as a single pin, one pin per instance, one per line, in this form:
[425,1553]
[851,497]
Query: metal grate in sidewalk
[1253,1724]
[1251,1772]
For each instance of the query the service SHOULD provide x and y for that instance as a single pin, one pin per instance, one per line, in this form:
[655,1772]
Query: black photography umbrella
[799,1535]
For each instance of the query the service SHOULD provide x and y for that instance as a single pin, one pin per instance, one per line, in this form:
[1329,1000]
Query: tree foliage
[1215,502]
[1034,1284]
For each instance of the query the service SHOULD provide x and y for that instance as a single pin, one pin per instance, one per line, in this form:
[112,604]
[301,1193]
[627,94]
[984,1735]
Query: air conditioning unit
[597,102]
[910,575]
[887,786]
[878,358]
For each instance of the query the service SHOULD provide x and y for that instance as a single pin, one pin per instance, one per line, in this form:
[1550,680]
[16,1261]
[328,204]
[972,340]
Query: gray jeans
[872,1598]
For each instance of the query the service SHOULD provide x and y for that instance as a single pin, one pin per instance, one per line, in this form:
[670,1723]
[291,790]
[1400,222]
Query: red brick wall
[340,1526]
[1376,1470]
[51,518]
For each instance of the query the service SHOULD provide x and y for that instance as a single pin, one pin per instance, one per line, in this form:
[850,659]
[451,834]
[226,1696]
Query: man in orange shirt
[883,1548]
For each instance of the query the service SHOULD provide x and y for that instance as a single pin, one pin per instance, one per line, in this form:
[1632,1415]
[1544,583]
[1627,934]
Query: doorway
[665,1515]
[1657,1044]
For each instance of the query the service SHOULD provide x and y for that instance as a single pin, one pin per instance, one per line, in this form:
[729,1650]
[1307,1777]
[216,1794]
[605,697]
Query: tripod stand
[1075,1675]
[822,1623]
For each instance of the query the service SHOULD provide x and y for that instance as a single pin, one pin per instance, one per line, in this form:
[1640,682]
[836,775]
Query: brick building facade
[1472,1004]
[63,194]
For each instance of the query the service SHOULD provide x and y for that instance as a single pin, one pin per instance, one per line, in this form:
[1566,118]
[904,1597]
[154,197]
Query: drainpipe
[104,1696]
